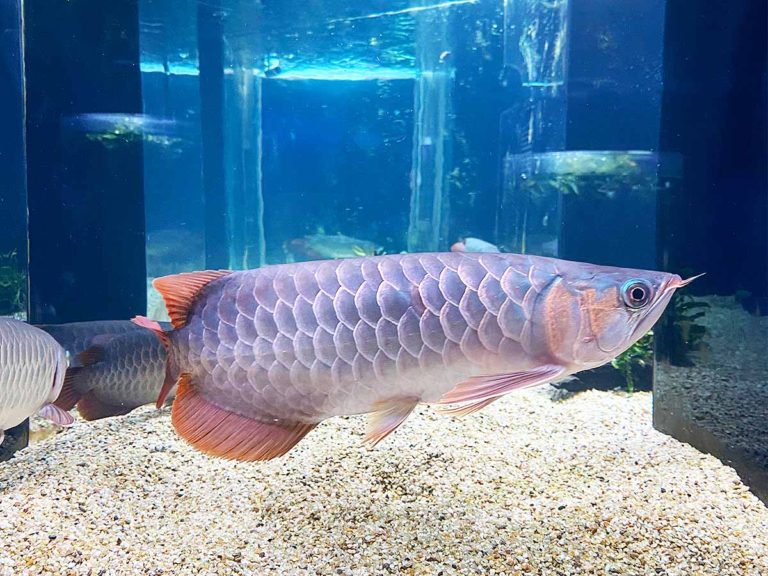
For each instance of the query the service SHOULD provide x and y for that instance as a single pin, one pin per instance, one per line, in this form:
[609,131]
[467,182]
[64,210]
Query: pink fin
[222,433]
[145,322]
[388,415]
[486,387]
[56,415]
[91,408]
[179,291]
[466,409]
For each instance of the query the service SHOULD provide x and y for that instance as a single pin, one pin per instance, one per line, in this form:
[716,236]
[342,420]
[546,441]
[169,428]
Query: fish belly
[304,342]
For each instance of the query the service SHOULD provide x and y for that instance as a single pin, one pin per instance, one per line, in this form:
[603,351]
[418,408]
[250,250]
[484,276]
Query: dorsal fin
[179,290]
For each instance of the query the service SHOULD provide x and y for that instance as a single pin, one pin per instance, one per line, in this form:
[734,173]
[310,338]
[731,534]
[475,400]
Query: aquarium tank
[144,139]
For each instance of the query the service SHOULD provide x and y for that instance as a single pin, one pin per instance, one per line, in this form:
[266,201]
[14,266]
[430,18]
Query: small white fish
[474,245]
[31,375]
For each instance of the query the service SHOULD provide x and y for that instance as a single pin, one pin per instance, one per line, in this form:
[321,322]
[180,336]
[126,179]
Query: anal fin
[91,408]
[219,432]
[481,388]
[386,417]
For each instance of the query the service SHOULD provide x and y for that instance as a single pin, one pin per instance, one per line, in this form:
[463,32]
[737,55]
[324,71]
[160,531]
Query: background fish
[32,368]
[474,245]
[262,356]
[118,366]
[75,337]
[323,246]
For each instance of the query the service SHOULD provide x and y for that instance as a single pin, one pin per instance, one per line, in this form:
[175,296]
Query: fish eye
[636,293]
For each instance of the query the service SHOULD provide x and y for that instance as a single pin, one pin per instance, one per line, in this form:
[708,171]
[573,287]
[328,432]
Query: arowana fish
[262,356]
[32,369]
[117,367]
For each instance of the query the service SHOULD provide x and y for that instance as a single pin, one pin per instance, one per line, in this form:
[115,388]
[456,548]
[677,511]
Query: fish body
[77,337]
[262,356]
[117,367]
[32,369]
[322,246]
[474,245]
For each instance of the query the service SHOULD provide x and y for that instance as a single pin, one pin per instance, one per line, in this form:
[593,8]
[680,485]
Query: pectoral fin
[466,409]
[387,416]
[484,389]
[56,415]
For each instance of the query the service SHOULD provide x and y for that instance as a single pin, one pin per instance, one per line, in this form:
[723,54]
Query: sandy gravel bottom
[527,486]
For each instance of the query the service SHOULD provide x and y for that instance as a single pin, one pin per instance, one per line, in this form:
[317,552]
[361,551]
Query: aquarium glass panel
[13,194]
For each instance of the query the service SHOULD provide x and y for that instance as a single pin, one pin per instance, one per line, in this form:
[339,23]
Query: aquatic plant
[639,354]
[687,334]
[12,284]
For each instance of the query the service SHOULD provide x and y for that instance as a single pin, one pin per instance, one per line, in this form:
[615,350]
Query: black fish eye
[636,294]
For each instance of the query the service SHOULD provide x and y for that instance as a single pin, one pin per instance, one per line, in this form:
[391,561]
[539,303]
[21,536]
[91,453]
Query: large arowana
[262,356]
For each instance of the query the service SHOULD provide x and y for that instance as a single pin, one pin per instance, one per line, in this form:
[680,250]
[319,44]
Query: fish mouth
[666,295]
[678,282]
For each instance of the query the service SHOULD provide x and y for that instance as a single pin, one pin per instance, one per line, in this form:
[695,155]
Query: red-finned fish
[32,368]
[117,367]
[262,356]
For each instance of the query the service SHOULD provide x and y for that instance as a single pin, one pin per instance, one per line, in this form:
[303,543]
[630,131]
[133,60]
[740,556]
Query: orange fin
[466,409]
[219,432]
[179,290]
[91,408]
[153,325]
[486,387]
[56,415]
[388,415]
[69,395]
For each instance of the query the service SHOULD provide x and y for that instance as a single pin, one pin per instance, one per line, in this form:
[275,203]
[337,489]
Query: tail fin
[73,388]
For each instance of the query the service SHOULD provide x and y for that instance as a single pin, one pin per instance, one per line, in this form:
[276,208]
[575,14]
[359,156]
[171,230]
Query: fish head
[591,314]
[62,363]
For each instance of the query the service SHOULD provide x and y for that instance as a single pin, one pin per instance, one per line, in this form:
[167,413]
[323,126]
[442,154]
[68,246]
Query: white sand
[525,487]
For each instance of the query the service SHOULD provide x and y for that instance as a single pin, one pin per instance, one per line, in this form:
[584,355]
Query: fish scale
[262,356]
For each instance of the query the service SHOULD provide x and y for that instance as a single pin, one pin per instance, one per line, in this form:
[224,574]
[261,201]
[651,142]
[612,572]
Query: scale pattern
[32,366]
[130,371]
[317,339]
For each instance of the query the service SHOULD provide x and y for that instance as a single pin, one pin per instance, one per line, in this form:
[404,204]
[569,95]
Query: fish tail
[75,385]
